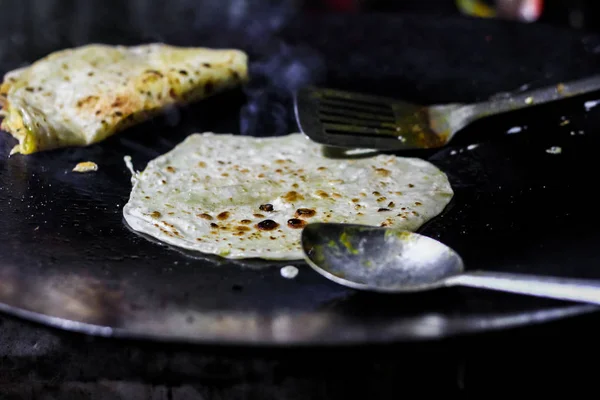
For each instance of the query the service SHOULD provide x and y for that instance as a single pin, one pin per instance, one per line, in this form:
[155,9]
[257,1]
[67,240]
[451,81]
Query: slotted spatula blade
[353,120]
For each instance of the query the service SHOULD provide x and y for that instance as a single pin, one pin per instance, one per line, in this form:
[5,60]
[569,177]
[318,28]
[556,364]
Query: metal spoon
[393,261]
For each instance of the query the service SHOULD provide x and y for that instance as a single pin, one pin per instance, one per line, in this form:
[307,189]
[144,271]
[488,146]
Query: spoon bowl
[395,261]
[381,260]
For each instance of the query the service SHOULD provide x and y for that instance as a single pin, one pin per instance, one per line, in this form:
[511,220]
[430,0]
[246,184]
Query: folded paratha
[80,96]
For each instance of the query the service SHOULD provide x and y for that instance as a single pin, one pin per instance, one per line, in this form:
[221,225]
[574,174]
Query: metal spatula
[354,120]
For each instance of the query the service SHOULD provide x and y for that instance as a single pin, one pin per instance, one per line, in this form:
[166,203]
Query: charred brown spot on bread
[266,207]
[223,216]
[154,73]
[119,102]
[305,213]
[88,101]
[267,225]
[292,196]
[296,223]
[383,171]
[322,194]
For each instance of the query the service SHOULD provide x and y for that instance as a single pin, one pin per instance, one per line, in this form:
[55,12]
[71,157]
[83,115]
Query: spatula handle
[579,290]
[513,101]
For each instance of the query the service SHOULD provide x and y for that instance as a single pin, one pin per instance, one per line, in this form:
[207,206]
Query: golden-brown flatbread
[80,96]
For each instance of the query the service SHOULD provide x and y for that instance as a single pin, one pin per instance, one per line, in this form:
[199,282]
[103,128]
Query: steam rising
[275,77]
[35,28]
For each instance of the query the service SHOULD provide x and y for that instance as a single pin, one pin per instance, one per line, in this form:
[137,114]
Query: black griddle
[68,260]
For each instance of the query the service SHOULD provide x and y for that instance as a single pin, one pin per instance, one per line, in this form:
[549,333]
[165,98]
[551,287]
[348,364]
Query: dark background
[39,363]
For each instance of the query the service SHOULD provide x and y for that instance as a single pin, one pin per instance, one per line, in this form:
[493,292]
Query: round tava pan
[68,260]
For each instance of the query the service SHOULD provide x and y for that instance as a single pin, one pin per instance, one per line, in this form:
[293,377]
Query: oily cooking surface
[65,251]
[80,96]
[244,197]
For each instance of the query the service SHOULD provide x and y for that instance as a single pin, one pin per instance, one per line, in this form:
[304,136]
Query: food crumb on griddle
[289,272]
[554,150]
[86,166]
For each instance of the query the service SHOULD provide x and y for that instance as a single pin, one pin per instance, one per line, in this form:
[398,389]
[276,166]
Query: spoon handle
[579,290]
